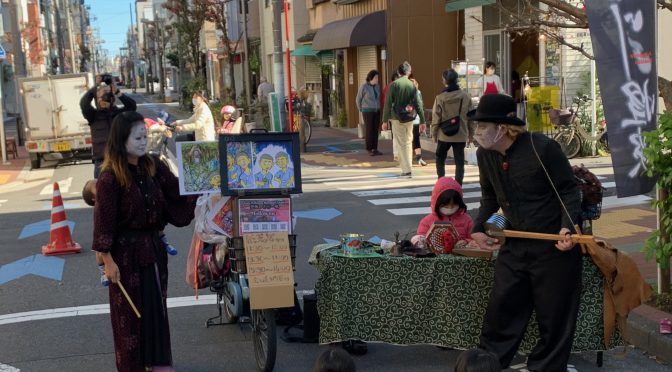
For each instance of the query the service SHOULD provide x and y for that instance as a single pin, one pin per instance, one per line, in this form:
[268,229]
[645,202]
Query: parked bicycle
[301,117]
[233,302]
[570,133]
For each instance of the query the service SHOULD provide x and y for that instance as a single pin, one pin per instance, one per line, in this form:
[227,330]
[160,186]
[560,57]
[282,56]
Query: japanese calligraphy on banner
[623,34]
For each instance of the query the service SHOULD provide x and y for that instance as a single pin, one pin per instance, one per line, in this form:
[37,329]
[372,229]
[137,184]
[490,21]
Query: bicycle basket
[560,116]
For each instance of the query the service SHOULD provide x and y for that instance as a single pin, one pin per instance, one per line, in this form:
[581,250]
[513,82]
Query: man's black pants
[533,277]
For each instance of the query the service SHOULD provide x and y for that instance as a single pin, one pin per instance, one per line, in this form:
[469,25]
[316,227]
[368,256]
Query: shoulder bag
[451,126]
[407,113]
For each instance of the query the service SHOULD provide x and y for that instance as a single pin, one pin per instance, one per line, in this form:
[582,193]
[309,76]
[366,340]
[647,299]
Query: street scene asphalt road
[54,317]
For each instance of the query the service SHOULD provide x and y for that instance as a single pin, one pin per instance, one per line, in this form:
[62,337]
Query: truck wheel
[35,160]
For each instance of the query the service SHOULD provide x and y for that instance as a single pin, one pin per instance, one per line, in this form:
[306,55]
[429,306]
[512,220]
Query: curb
[642,332]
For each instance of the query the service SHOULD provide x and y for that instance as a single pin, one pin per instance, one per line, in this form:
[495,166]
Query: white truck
[54,125]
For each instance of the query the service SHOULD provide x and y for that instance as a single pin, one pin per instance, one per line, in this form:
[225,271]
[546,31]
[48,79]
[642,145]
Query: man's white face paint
[488,134]
[136,144]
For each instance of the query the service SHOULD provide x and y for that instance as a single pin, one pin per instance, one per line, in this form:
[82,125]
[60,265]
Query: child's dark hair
[335,360]
[477,360]
[87,195]
[447,196]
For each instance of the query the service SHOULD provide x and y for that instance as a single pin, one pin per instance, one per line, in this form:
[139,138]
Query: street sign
[3,54]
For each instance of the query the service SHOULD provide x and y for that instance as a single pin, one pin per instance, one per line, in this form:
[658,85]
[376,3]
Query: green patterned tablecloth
[439,301]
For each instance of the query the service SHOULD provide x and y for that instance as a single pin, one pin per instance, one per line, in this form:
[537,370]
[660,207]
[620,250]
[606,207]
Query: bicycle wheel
[264,339]
[307,130]
[569,143]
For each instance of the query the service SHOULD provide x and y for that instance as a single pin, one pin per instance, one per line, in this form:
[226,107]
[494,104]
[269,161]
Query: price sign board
[269,270]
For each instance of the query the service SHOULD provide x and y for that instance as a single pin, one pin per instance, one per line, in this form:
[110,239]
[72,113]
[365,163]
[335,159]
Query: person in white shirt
[201,122]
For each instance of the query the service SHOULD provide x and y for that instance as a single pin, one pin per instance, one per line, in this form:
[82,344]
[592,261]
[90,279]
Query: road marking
[63,185]
[48,267]
[41,227]
[6,368]
[66,312]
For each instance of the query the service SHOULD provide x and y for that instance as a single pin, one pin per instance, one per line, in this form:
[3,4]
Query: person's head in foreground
[477,360]
[335,360]
[496,123]
[89,192]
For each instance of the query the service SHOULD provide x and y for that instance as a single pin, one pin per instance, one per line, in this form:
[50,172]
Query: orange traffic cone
[60,240]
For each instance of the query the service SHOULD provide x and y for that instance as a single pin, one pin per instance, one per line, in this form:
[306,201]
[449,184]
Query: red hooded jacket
[460,219]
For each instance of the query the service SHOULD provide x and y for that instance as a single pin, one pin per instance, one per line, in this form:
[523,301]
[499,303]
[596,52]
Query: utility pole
[71,38]
[246,64]
[59,38]
[19,57]
[278,72]
[131,45]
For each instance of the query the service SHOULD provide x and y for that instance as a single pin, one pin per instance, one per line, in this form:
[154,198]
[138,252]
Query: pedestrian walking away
[201,122]
[417,129]
[401,107]
[386,125]
[451,104]
[527,176]
[136,196]
[368,103]
[101,114]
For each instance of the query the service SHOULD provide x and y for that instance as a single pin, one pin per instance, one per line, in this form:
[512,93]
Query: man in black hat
[530,179]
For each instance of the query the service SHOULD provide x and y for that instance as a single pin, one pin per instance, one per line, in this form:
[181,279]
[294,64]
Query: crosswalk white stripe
[347,181]
[423,210]
[398,182]
[417,199]
[412,190]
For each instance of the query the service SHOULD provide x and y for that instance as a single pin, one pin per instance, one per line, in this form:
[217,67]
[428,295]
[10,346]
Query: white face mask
[194,101]
[489,136]
[449,211]
[136,144]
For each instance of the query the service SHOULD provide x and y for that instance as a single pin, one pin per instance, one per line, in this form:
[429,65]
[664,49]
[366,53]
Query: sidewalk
[626,228]
[11,171]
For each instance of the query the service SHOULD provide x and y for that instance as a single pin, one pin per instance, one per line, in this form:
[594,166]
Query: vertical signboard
[623,34]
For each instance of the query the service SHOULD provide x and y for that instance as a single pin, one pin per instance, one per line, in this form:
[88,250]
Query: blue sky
[113,19]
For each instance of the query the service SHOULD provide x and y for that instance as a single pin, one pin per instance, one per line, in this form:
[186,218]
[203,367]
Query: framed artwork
[264,215]
[198,167]
[260,164]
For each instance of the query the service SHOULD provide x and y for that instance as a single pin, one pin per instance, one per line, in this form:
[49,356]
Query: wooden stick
[540,236]
[123,290]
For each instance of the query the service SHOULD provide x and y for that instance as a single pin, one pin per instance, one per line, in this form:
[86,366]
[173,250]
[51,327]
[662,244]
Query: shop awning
[454,5]
[304,51]
[357,31]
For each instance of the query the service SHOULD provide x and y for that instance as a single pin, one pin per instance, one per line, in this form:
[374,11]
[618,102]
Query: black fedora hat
[496,108]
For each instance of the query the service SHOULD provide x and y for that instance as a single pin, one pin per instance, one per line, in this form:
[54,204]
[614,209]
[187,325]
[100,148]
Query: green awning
[454,5]
[304,51]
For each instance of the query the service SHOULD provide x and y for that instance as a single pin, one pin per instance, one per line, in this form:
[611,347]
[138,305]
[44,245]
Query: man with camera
[100,117]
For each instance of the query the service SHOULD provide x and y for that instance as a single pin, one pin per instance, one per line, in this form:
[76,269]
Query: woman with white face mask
[447,206]
[136,196]
[201,122]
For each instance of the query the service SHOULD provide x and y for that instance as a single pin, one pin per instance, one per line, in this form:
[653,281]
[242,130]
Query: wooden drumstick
[123,290]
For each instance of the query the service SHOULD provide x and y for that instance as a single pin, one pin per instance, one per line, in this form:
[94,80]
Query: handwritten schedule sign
[269,270]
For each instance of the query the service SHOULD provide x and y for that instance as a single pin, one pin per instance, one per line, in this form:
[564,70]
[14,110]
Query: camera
[107,79]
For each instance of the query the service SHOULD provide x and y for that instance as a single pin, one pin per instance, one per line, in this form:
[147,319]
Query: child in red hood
[447,205]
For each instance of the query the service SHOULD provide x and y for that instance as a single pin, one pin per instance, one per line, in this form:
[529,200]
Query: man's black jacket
[100,121]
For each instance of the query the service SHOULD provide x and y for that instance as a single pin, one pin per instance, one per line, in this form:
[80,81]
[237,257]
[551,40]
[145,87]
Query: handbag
[451,126]
[386,134]
[407,113]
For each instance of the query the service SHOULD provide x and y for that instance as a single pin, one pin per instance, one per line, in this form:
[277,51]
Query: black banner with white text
[623,34]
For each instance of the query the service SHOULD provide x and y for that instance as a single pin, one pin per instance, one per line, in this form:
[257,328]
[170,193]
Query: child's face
[265,164]
[227,116]
[243,161]
[281,161]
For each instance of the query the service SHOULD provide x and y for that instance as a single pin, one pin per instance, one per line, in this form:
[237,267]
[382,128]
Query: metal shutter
[366,61]
[313,70]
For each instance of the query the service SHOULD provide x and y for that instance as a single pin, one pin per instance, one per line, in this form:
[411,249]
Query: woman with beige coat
[201,122]
[451,102]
